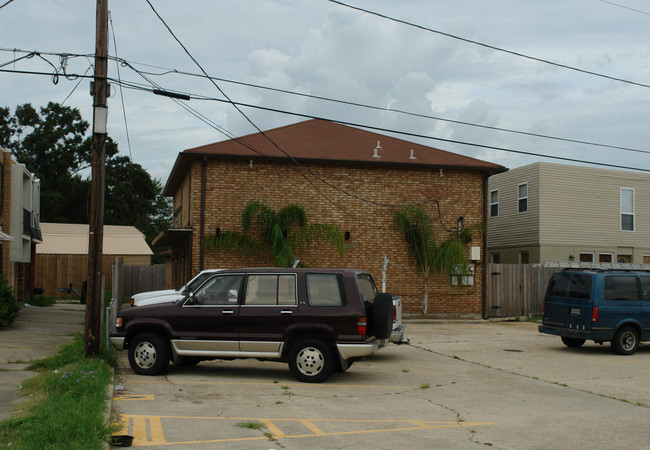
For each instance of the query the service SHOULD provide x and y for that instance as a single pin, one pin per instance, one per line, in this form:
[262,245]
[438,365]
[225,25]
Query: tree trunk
[425,299]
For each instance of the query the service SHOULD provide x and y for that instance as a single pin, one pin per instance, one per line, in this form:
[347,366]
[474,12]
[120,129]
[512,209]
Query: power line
[295,161]
[422,136]
[168,71]
[131,85]
[626,7]
[399,111]
[5,3]
[491,47]
[126,125]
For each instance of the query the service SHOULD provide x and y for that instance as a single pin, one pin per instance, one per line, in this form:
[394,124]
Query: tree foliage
[276,233]
[53,144]
[430,257]
[9,307]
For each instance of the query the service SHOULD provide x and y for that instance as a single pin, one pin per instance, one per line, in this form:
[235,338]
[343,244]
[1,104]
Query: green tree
[276,233]
[53,145]
[429,257]
[9,307]
[134,198]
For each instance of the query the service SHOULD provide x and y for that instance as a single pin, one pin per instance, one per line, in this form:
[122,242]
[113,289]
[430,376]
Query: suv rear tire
[382,316]
[311,361]
[626,340]
[573,342]
[148,354]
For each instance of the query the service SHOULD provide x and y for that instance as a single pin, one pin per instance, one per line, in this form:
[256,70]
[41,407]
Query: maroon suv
[317,320]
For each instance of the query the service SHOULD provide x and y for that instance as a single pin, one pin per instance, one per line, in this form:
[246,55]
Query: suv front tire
[149,354]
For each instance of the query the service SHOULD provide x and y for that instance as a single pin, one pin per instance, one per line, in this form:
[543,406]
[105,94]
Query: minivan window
[645,288]
[558,285]
[621,288]
[580,286]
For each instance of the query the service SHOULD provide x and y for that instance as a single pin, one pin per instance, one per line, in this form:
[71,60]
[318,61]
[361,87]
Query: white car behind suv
[170,295]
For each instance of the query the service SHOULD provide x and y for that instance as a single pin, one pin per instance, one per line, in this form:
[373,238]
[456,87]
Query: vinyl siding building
[551,212]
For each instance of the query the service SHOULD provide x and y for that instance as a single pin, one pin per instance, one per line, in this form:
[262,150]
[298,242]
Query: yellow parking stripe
[275,431]
[129,397]
[147,430]
[309,424]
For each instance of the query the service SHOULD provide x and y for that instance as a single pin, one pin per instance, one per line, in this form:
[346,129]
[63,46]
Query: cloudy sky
[323,49]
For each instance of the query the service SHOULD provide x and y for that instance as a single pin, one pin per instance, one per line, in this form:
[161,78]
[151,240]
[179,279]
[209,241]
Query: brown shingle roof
[328,142]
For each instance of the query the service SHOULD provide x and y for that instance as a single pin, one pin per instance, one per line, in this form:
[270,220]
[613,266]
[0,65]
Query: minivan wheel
[148,354]
[626,341]
[311,361]
[573,342]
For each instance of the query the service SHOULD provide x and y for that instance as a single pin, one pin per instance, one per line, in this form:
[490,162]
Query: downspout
[485,244]
[202,224]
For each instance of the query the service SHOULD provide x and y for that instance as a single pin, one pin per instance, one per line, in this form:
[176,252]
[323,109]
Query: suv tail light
[594,314]
[394,313]
[362,325]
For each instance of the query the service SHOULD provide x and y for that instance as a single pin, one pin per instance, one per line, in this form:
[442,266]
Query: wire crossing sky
[563,79]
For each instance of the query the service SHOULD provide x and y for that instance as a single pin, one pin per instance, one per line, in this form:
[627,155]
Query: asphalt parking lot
[457,385]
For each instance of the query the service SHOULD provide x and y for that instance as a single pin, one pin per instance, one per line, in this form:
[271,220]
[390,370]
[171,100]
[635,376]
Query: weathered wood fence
[516,289]
[61,271]
[142,278]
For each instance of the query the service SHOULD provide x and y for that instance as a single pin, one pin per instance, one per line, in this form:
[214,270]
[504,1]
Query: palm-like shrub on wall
[429,257]
[276,233]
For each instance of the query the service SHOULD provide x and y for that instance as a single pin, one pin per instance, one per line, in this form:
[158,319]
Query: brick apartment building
[19,225]
[344,176]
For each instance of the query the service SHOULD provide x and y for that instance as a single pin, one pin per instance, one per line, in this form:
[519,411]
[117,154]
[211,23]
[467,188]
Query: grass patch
[251,425]
[65,403]
[42,300]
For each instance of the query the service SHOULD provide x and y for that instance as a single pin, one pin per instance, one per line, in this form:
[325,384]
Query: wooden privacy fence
[61,271]
[516,289]
[137,279]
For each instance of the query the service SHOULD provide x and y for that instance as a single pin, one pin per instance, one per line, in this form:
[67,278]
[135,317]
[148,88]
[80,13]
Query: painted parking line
[129,397]
[148,431]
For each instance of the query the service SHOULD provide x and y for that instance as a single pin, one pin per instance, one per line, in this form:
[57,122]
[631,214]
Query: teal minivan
[600,306]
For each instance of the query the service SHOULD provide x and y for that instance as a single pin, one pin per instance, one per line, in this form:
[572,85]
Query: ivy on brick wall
[429,256]
[280,234]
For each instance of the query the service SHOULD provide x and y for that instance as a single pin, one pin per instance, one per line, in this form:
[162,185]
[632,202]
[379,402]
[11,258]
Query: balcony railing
[31,226]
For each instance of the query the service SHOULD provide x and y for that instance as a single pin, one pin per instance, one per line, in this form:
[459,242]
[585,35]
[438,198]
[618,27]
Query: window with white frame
[627,209]
[522,197]
[494,203]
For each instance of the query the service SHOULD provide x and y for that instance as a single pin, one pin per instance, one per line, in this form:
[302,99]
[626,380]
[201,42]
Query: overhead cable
[491,47]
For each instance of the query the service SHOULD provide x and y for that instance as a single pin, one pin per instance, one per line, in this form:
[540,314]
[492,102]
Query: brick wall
[230,185]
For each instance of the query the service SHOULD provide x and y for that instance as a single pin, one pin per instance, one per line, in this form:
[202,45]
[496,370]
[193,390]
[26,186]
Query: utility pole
[94,295]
